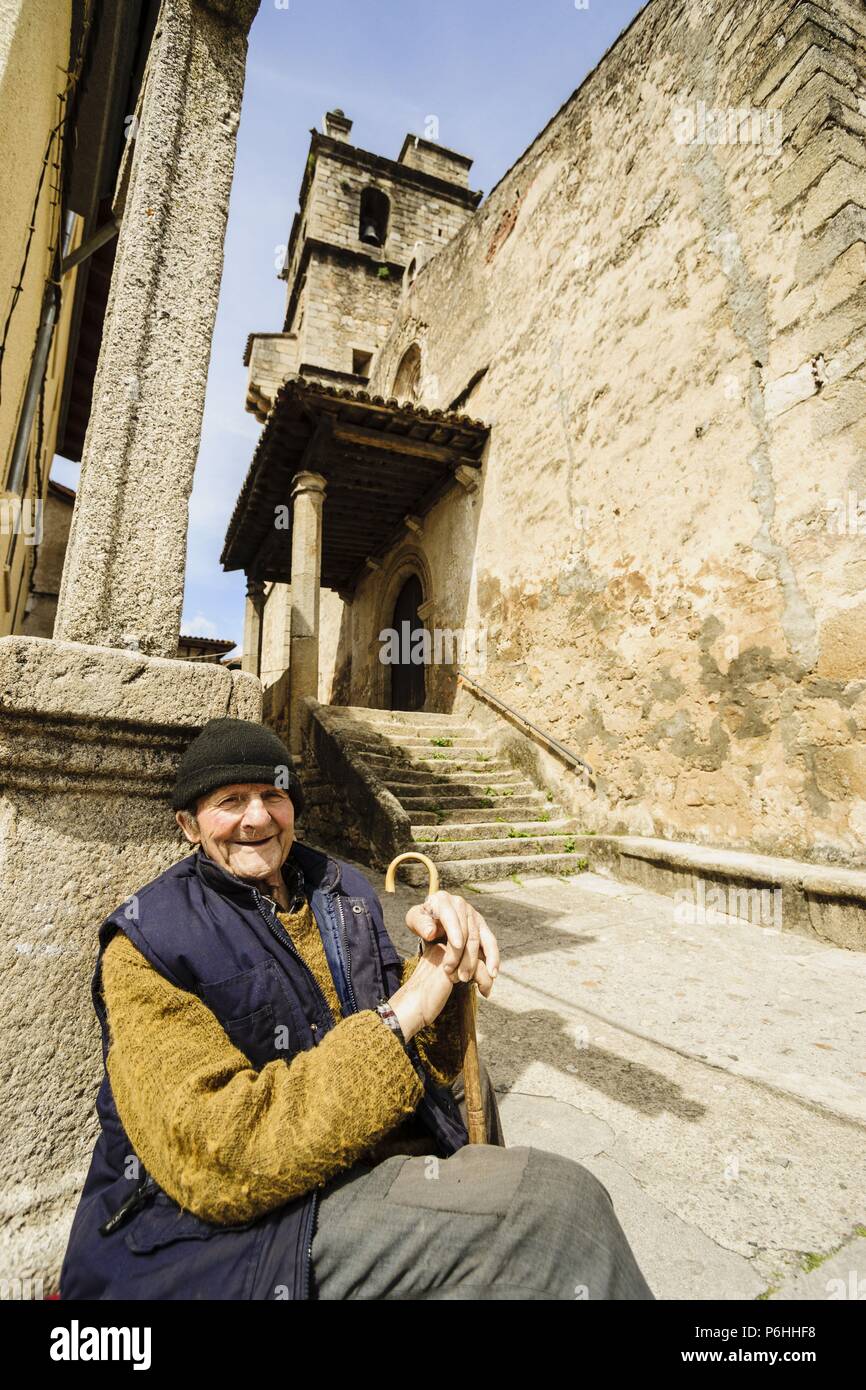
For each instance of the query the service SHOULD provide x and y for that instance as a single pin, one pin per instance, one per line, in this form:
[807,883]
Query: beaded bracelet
[384,1010]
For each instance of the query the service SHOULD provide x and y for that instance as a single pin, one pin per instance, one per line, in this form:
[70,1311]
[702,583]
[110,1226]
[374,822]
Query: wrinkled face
[246,827]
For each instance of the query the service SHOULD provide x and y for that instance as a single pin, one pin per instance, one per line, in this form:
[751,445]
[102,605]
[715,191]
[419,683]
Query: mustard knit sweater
[230,1143]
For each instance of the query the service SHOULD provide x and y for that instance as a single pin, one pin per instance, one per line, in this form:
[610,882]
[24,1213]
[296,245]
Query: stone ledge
[55,755]
[823,902]
[72,680]
[754,867]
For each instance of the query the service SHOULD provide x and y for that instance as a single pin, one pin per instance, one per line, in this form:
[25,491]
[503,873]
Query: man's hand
[471,951]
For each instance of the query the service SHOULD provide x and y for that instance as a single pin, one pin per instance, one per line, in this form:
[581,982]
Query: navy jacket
[213,935]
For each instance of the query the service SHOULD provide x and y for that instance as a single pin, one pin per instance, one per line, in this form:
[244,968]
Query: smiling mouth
[254,843]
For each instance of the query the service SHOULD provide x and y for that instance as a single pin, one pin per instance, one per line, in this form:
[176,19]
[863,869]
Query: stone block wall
[349,300]
[667,549]
[434,159]
[418,210]
[348,305]
[272,358]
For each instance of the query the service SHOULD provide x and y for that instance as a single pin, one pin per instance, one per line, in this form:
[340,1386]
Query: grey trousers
[487,1223]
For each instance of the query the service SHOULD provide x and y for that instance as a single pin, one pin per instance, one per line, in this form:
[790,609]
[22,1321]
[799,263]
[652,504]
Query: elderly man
[280,1113]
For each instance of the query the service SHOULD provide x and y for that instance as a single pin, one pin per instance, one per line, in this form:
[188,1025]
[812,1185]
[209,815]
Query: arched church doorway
[408,686]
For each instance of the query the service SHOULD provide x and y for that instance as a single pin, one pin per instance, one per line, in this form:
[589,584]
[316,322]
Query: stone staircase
[382,781]
[471,812]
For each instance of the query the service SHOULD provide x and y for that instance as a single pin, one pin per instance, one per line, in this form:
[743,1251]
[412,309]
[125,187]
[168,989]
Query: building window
[373,221]
[361,362]
[408,374]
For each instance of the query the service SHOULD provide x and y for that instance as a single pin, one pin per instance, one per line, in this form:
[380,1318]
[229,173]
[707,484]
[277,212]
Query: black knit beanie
[234,750]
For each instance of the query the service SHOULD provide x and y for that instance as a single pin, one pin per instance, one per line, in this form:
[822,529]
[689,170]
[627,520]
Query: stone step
[481,815]
[417,747]
[394,767]
[449,802]
[420,728]
[426,733]
[480,830]
[423,777]
[442,850]
[404,716]
[449,760]
[500,867]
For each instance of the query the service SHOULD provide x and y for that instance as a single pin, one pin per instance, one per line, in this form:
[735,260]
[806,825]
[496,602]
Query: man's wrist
[389,1017]
[404,1004]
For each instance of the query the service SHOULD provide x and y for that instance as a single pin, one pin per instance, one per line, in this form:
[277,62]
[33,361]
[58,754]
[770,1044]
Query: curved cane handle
[468,1042]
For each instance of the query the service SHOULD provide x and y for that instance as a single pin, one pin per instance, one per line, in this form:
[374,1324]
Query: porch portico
[339,478]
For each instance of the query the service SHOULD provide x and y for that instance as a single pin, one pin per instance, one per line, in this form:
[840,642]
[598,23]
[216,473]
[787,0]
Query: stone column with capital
[308,495]
[253,611]
[123,578]
[93,721]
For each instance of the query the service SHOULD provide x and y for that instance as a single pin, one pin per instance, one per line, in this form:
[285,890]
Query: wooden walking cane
[468,1042]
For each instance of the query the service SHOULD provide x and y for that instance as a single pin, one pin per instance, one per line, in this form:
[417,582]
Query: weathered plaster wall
[34,53]
[42,604]
[674,334]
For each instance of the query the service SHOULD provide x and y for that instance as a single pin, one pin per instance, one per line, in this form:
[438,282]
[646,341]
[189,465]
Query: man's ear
[189,826]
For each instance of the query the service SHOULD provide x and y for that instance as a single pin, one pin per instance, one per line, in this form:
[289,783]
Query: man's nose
[256,812]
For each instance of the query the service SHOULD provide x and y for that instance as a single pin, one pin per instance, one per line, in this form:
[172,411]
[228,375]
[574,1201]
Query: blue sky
[491,73]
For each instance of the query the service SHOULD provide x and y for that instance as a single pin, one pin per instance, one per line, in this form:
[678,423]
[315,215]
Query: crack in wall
[747,300]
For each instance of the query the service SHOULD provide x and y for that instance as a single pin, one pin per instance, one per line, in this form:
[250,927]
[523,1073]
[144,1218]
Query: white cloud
[199,626]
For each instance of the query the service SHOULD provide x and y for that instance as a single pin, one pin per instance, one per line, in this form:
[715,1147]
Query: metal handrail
[552,742]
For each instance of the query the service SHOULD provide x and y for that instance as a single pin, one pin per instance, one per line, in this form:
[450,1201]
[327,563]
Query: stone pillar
[308,495]
[123,578]
[90,734]
[282,648]
[252,656]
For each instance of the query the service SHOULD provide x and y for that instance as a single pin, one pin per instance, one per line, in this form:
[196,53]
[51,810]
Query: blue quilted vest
[219,938]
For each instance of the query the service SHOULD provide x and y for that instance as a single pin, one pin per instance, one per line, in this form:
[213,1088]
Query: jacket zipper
[347,962]
[309,1260]
[136,1199]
